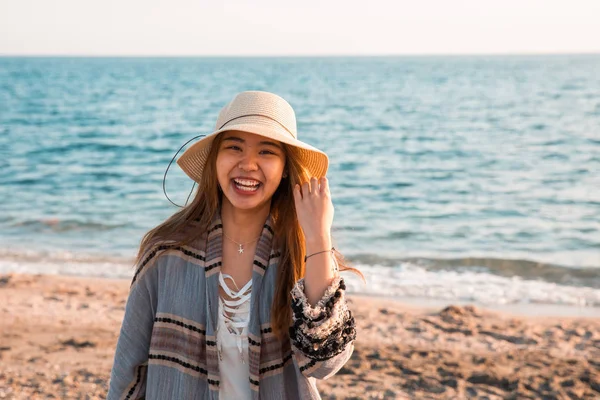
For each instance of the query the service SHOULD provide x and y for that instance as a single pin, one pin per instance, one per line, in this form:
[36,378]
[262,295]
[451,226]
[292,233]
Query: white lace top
[232,340]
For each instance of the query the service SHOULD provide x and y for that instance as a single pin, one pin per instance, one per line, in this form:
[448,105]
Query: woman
[237,296]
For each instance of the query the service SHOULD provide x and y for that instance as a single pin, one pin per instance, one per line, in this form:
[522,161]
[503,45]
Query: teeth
[247,182]
[247,189]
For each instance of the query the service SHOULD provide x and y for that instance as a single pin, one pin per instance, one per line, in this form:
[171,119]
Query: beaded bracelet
[318,252]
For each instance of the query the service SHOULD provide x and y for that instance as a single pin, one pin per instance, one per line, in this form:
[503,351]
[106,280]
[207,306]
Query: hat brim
[192,161]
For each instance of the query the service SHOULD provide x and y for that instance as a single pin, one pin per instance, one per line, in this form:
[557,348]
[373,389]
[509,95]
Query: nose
[248,162]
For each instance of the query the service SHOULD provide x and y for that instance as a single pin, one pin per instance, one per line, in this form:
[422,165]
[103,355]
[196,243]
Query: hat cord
[167,170]
[259,115]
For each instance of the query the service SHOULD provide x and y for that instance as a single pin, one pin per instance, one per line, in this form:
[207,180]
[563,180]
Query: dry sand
[58,335]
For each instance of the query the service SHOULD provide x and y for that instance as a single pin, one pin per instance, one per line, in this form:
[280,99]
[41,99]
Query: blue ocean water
[452,177]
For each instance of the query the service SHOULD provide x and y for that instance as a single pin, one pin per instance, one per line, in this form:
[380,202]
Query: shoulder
[148,260]
[187,242]
[190,239]
[164,253]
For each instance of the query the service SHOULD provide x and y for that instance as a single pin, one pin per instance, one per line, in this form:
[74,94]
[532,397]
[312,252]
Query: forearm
[321,335]
[319,271]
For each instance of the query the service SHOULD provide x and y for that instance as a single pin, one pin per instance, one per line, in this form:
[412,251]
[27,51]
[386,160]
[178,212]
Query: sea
[455,179]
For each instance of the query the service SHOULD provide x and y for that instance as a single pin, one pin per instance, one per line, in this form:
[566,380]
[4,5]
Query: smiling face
[249,169]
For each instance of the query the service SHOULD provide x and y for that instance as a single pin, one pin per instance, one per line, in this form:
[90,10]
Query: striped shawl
[167,344]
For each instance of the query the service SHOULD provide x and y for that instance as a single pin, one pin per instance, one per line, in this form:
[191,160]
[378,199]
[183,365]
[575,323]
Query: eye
[268,152]
[234,147]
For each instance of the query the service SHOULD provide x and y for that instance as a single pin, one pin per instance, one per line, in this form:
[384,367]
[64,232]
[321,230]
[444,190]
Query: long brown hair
[288,238]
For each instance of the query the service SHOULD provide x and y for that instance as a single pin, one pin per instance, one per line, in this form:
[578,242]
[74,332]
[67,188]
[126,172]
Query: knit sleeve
[128,375]
[322,335]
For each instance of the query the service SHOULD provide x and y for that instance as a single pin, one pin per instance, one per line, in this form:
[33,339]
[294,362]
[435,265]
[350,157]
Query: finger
[324,185]
[314,185]
[297,193]
[305,190]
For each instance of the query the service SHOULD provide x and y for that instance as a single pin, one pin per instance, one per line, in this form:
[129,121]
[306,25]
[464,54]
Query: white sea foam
[65,263]
[410,281]
[405,280]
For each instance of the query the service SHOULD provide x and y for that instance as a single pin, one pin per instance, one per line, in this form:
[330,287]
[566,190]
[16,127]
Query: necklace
[241,249]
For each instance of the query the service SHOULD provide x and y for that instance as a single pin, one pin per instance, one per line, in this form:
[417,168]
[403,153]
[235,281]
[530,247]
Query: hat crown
[259,104]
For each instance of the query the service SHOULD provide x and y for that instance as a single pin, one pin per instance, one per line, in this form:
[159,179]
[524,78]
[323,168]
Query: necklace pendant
[241,249]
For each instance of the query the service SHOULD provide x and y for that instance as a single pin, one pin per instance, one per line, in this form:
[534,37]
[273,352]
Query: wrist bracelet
[318,252]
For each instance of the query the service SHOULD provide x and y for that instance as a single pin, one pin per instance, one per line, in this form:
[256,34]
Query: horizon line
[108,55]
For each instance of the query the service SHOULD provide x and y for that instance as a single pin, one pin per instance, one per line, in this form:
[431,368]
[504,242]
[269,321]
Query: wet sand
[58,335]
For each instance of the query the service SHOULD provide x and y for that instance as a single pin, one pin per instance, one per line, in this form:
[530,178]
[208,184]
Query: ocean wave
[65,263]
[42,256]
[408,280]
[405,279]
[507,268]
[87,146]
[62,225]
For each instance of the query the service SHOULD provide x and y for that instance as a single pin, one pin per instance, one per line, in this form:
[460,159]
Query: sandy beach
[58,335]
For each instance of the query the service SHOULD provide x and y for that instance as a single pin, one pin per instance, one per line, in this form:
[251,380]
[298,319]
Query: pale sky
[307,27]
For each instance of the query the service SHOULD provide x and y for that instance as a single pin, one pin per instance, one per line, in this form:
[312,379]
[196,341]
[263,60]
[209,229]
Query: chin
[249,204]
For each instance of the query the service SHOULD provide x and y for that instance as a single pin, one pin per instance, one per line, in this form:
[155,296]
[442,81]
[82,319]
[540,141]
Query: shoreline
[532,310]
[124,273]
[58,336]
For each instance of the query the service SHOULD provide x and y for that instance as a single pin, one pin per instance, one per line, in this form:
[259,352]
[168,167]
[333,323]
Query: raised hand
[315,211]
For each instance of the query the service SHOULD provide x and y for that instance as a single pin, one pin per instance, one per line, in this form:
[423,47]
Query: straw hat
[261,113]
